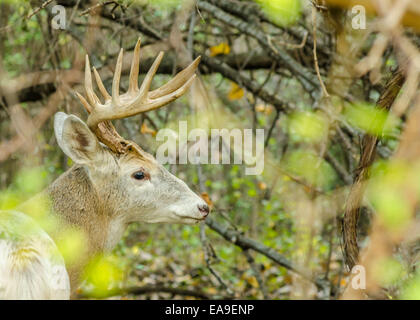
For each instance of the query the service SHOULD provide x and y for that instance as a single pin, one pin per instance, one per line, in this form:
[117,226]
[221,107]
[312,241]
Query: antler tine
[134,71]
[101,86]
[175,83]
[134,101]
[84,102]
[147,82]
[91,96]
[164,100]
[116,81]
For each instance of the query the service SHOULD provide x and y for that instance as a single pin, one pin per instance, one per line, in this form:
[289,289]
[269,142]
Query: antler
[136,100]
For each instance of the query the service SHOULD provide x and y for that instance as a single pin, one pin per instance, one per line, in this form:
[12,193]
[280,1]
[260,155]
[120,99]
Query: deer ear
[75,139]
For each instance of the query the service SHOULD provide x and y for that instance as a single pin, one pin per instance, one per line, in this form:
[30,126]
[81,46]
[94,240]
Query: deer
[113,182]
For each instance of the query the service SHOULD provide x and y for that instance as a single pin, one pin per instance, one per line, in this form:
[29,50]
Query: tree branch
[368,153]
[246,243]
[151,289]
[308,80]
[250,85]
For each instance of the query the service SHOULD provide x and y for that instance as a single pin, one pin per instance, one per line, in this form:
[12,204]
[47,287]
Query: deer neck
[75,203]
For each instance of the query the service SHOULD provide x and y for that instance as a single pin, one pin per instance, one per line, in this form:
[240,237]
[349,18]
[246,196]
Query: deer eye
[139,175]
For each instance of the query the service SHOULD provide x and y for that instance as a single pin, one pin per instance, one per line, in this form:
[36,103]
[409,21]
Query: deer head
[129,182]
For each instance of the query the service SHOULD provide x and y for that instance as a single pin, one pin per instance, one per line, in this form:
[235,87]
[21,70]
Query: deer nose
[204,209]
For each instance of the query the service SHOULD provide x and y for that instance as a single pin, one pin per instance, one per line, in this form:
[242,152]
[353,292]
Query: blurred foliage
[315,170]
[281,12]
[389,271]
[411,289]
[308,126]
[103,274]
[387,191]
[370,119]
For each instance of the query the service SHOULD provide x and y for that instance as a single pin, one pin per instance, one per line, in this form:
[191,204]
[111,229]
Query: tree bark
[368,153]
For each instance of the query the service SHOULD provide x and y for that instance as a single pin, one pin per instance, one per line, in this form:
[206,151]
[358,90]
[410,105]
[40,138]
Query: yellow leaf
[253,282]
[236,92]
[211,290]
[269,109]
[207,199]
[146,130]
[265,108]
[221,48]
[262,185]
[260,107]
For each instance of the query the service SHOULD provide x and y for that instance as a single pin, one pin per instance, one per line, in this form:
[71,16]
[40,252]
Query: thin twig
[270,131]
[97,6]
[46,3]
[150,289]
[256,273]
[324,89]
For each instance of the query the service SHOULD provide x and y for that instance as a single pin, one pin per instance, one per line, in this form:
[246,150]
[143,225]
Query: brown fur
[75,204]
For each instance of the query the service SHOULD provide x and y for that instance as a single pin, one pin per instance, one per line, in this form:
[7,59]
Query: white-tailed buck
[112,183]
